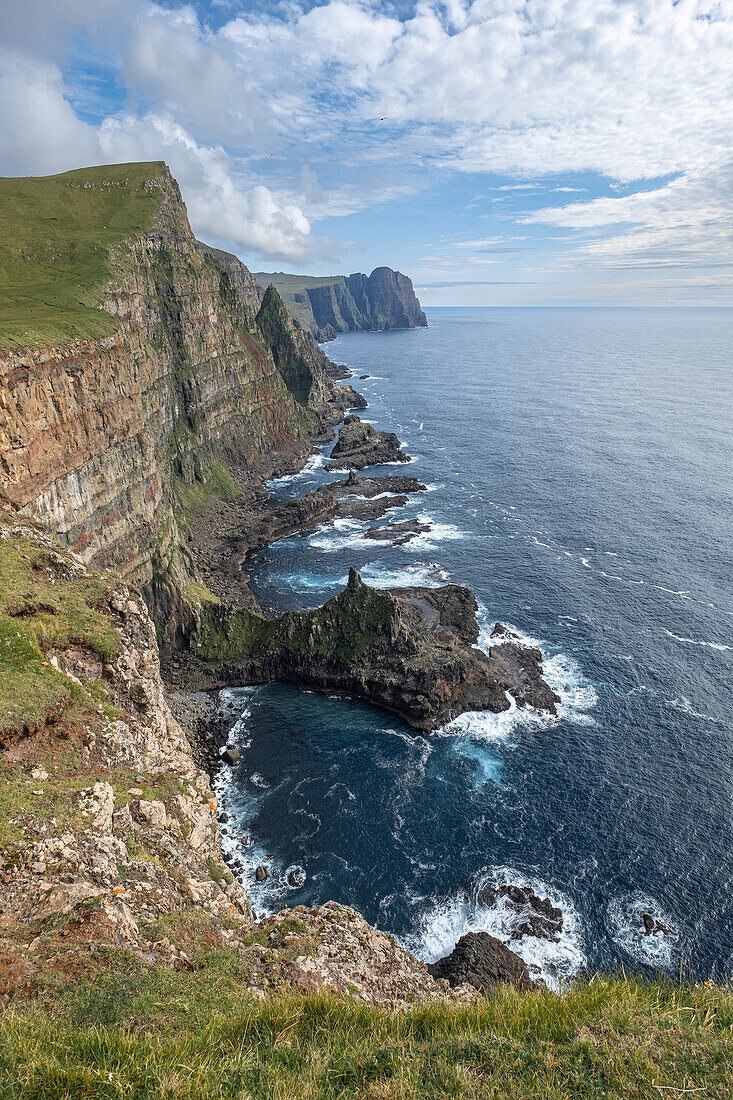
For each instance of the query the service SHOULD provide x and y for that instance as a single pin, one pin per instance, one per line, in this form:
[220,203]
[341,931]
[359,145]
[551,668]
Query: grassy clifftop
[127,1031]
[56,237]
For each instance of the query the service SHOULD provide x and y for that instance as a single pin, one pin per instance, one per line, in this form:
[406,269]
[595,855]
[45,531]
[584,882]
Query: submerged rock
[360,445]
[398,533]
[481,960]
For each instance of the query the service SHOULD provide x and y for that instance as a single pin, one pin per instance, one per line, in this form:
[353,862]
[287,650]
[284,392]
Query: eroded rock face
[360,445]
[480,960]
[383,300]
[350,956]
[203,373]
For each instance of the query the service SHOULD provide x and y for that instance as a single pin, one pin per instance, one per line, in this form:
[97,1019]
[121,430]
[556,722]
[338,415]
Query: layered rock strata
[327,306]
[102,440]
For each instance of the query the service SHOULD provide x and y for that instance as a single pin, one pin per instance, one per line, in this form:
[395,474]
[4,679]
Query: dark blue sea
[580,473]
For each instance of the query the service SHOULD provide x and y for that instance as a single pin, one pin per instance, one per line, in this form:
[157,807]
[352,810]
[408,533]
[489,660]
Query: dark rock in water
[501,631]
[535,916]
[360,445]
[654,927]
[223,818]
[398,533]
[244,841]
[296,878]
[518,668]
[231,756]
[374,486]
[363,377]
[261,874]
[481,960]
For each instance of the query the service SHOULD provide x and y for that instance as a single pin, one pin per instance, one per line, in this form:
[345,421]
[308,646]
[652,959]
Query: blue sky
[540,152]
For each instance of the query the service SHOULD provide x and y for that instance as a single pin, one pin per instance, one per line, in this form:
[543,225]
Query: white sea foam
[626,925]
[440,927]
[315,462]
[425,574]
[686,707]
[719,646]
[241,802]
[439,532]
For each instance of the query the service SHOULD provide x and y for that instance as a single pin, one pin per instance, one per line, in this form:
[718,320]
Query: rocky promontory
[326,306]
[410,651]
[359,444]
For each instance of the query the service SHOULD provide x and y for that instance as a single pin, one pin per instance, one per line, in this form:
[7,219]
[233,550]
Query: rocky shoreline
[410,651]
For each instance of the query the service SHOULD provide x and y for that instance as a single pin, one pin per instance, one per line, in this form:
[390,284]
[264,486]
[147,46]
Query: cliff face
[197,380]
[383,300]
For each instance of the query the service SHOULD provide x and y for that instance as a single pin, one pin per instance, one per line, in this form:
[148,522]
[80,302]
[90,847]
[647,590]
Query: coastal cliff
[348,303]
[197,376]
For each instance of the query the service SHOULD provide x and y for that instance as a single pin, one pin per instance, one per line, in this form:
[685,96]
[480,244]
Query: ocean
[579,466]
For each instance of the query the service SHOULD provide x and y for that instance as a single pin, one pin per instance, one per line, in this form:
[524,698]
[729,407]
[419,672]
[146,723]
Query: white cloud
[688,221]
[39,130]
[628,89]
[219,206]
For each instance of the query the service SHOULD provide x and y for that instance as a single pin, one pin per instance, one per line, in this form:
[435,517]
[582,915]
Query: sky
[499,152]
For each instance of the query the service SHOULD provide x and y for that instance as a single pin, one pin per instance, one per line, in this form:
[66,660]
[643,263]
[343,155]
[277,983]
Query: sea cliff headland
[149,388]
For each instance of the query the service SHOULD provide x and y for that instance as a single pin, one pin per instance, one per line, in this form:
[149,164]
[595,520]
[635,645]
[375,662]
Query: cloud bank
[628,90]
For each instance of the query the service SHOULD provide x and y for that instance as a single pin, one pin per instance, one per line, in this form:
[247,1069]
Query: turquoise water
[580,465]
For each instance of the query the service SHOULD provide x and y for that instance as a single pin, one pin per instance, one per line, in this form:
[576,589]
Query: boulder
[481,960]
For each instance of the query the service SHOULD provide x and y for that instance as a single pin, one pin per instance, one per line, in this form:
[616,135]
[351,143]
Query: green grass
[56,235]
[42,605]
[135,1033]
[217,485]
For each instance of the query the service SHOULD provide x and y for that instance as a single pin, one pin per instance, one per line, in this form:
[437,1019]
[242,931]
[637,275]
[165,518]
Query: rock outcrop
[360,445]
[327,306]
[410,651]
[110,814]
[480,960]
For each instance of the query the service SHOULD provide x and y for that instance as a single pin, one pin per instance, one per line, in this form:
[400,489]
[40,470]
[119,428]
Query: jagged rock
[653,927]
[535,916]
[261,874]
[360,445]
[411,651]
[481,960]
[350,956]
[231,756]
[117,864]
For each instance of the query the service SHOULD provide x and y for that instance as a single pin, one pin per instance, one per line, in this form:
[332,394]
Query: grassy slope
[56,233]
[124,1031]
[42,606]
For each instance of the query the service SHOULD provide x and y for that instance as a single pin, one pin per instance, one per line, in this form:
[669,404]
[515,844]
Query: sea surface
[580,474]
